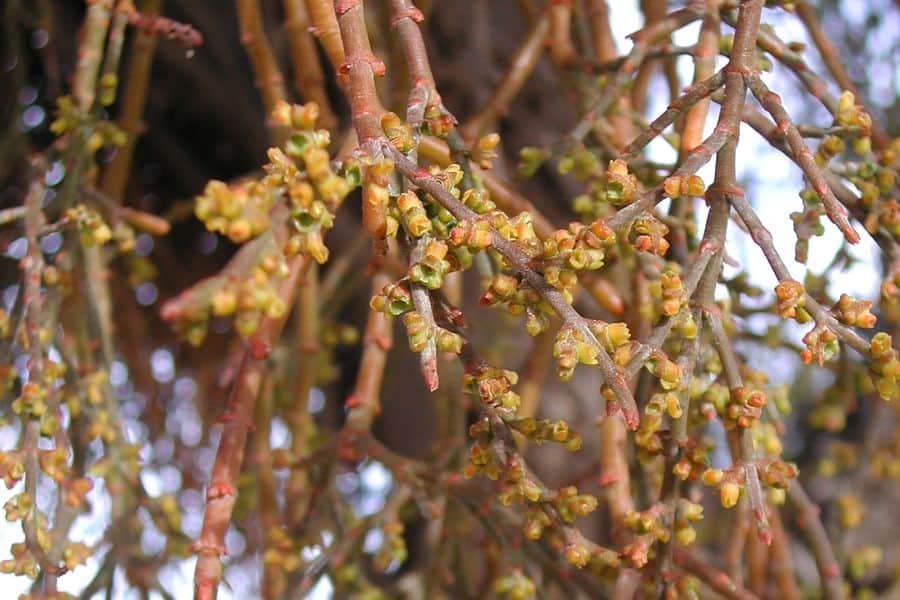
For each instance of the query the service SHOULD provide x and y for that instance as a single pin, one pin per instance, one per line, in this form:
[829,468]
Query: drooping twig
[802,155]
[309,79]
[269,79]
[364,404]
[521,66]
[221,492]
[134,97]
[811,524]
[715,579]
[691,97]
[763,238]
[833,62]
[643,40]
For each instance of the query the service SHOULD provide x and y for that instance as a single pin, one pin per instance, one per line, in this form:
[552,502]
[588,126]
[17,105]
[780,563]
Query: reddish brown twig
[309,79]
[802,155]
[237,420]
[521,66]
[809,521]
[156,25]
[715,579]
[269,79]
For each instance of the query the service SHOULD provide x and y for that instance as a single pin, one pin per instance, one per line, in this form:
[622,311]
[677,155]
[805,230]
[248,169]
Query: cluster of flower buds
[484,150]
[668,291]
[12,468]
[376,199]
[55,463]
[694,460]
[885,366]
[855,313]
[92,228]
[393,548]
[861,564]
[614,187]
[69,117]
[648,234]
[32,401]
[433,266]
[394,299]
[438,122]
[807,223]
[580,162]
[535,522]
[300,176]
[471,234]
[743,409]
[412,214]
[518,297]
[398,132]
[578,248]
[776,474]
[666,371]
[766,439]
[515,586]
[680,187]
[821,345]
[493,387]
[851,114]
[890,297]
[620,187]
[570,349]
[539,431]
[831,146]
[791,298]
[571,505]
[249,300]
[280,551]
[481,460]
[518,486]
[841,457]
[648,526]
[76,554]
[647,438]
[729,483]
[687,512]
[315,191]
[653,525]
[850,510]
[531,159]
[419,334]
[22,562]
[888,216]
[576,549]
[884,463]
[239,211]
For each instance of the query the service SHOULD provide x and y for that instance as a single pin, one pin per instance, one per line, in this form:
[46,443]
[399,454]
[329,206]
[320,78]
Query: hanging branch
[269,79]
[237,420]
[811,524]
[134,98]
[522,64]
[364,404]
[833,62]
[715,579]
[643,40]
[802,155]
[309,79]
